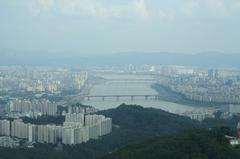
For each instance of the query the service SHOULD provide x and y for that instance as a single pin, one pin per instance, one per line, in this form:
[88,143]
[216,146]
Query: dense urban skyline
[119,79]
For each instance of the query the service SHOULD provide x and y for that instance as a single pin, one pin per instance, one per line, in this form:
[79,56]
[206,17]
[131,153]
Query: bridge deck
[146,96]
[149,95]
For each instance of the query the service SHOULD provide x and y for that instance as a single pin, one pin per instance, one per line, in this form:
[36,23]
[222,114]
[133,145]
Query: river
[122,84]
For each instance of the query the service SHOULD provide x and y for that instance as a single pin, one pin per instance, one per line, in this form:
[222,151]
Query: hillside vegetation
[196,144]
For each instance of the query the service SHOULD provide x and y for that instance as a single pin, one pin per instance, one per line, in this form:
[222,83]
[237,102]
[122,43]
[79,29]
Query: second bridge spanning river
[118,97]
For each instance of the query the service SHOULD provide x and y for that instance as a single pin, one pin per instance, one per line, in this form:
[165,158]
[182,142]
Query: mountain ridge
[210,59]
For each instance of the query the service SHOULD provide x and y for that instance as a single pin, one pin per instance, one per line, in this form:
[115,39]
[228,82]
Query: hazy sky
[103,26]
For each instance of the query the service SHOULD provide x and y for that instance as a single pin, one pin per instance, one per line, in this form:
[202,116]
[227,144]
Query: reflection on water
[126,87]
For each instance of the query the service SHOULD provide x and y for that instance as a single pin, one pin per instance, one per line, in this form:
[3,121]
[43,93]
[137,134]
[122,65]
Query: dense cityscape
[209,86]
[119,79]
[34,79]
[80,123]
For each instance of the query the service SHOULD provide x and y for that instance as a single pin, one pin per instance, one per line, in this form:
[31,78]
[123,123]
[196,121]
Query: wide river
[121,84]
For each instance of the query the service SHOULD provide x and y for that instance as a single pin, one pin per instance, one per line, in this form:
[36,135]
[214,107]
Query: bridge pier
[146,97]
[117,98]
[103,98]
[156,97]
[88,98]
[132,97]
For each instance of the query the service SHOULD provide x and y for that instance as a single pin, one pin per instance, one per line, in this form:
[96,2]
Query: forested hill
[148,121]
[197,144]
[131,124]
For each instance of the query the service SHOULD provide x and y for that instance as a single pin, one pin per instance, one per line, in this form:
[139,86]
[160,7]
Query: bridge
[118,97]
[133,80]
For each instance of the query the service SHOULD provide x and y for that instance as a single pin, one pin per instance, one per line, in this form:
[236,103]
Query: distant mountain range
[213,59]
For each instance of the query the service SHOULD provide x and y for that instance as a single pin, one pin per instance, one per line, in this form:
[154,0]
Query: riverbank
[170,96]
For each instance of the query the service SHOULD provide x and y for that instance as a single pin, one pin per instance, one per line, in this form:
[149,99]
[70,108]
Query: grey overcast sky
[109,26]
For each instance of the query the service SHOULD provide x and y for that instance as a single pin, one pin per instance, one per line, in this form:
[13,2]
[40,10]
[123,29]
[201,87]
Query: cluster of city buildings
[40,79]
[229,110]
[31,108]
[209,86]
[80,109]
[226,111]
[76,129]
[200,115]
[129,68]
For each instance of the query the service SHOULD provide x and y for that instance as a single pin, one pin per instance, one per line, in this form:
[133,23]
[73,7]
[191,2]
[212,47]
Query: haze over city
[120,79]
